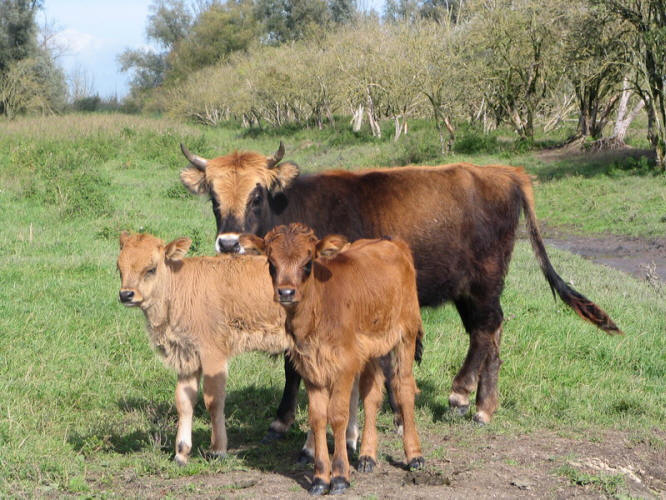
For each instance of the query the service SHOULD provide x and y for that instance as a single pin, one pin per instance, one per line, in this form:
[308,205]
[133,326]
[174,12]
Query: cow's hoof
[271,436]
[305,457]
[214,455]
[319,487]
[180,460]
[459,411]
[481,418]
[338,485]
[351,449]
[416,463]
[366,464]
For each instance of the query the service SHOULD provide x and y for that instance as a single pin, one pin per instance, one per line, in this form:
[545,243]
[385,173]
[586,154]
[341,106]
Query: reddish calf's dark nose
[286,294]
[126,295]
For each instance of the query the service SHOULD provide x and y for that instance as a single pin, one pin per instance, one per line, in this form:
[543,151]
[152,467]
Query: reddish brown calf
[343,313]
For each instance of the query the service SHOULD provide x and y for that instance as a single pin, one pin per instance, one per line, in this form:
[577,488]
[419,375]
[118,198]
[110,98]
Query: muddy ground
[468,465]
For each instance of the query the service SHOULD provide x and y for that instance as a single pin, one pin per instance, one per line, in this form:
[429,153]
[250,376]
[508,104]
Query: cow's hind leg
[482,320]
[287,410]
[214,388]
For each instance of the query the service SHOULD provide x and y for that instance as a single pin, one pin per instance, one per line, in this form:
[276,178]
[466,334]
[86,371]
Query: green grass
[86,401]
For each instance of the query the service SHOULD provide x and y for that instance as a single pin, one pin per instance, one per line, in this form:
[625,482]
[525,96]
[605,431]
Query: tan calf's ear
[194,180]
[251,244]
[124,236]
[331,245]
[286,173]
[177,249]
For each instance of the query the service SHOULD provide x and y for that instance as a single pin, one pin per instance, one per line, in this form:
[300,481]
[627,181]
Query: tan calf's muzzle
[127,297]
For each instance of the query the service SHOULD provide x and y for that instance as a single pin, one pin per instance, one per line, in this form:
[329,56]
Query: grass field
[85,400]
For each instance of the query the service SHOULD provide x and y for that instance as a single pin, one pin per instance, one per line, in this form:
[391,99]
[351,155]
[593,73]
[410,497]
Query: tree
[18,30]
[647,46]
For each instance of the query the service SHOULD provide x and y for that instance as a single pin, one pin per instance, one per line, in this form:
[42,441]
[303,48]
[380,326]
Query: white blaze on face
[227,242]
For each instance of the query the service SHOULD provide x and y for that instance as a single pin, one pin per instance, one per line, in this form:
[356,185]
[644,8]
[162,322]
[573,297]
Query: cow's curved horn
[195,160]
[275,159]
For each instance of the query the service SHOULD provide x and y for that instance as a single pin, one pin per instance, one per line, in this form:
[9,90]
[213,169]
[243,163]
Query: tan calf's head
[143,269]
[291,252]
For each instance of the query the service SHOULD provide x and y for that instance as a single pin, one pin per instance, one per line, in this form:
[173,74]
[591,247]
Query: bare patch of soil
[472,464]
[644,258]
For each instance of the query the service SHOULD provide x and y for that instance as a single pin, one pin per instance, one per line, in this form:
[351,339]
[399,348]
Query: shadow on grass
[561,163]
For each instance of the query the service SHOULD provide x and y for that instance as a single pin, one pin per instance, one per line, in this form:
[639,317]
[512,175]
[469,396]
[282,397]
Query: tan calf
[344,312]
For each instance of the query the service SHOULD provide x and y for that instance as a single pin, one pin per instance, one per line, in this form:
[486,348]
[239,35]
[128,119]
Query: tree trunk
[357,118]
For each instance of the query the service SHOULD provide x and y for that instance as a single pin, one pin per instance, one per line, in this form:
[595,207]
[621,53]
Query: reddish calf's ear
[251,244]
[177,249]
[331,245]
[124,236]
[194,180]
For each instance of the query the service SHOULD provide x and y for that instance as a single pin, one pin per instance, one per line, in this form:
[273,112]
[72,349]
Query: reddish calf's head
[143,268]
[244,188]
[291,252]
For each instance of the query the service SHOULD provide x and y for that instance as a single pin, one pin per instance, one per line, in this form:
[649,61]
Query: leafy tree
[286,20]
[18,30]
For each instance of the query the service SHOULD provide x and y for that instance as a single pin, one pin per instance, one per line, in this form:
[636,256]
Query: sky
[94,32]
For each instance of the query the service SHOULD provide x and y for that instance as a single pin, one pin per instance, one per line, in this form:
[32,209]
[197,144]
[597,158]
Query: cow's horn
[275,159]
[195,160]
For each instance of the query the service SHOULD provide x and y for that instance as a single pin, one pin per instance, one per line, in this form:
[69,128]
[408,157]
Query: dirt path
[640,257]
[473,464]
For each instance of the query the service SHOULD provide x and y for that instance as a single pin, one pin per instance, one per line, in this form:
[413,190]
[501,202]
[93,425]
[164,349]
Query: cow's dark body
[459,220]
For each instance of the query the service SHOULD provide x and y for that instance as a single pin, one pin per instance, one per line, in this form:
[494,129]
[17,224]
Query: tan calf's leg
[186,397]
[318,398]
[404,386]
[214,388]
[371,388]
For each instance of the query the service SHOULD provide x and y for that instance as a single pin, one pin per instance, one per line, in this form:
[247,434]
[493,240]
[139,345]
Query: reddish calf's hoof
[416,463]
[338,485]
[459,404]
[319,487]
[481,418]
[459,411]
[366,464]
[271,436]
[214,455]
[305,457]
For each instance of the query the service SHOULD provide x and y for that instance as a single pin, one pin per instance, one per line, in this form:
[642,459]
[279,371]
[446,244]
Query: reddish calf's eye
[307,268]
[271,268]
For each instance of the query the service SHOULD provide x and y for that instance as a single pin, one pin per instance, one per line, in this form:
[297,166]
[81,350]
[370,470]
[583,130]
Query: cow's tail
[585,308]
[418,352]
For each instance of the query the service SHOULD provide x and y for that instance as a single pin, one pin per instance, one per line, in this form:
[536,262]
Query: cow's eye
[151,271]
[256,201]
[271,268]
[307,268]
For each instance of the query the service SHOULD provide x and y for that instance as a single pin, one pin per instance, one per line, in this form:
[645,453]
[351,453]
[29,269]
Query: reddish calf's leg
[186,397]
[338,416]
[318,398]
[404,386]
[371,388]
[214,386]
[487,398]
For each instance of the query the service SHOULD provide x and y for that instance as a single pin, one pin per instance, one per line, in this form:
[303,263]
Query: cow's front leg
[338,416]
[187,389]
[287,410]
[318,398]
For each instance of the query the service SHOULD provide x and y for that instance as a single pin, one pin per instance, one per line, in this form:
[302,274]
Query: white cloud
[77,42]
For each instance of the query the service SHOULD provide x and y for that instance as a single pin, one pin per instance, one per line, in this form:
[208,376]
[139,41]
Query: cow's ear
[285,174]
[251,244]
[194,180]
[331,245]
[124,236]
[177,249]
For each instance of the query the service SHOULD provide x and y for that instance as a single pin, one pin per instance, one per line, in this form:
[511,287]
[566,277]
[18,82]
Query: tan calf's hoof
[214,455]
[338,485]
[366,464]
[481,418]
[180,460]
[319,487]
[416,463]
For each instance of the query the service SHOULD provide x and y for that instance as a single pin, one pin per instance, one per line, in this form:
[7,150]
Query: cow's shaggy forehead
[233,177]
[290,242]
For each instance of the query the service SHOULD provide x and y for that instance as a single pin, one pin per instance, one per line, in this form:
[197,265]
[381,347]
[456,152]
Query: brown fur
[198,317]
[345,312]
[459,221]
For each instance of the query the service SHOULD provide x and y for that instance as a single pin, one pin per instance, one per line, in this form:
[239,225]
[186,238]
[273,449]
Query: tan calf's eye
[151,271]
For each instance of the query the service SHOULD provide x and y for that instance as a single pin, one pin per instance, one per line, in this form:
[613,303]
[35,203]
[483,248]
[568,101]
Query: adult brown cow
[460,221]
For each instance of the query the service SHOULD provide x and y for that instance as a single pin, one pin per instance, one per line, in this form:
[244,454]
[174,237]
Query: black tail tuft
[418,352]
